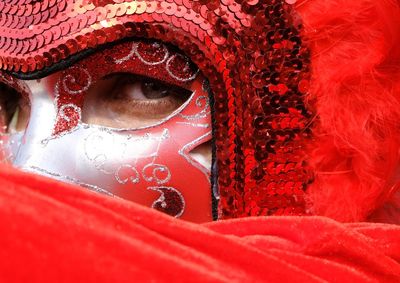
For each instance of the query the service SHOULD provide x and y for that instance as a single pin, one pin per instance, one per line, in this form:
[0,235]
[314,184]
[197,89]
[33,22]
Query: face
[139,129]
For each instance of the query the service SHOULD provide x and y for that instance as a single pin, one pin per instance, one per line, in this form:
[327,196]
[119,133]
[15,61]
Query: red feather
[355,91]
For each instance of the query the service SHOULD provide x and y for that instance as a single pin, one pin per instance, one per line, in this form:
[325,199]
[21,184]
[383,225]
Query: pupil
[154,90]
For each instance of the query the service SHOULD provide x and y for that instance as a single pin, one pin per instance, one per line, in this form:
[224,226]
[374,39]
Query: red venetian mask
[250,52]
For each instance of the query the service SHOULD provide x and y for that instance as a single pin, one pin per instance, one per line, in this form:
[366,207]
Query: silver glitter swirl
[175,76]
[62,109]
[127,57]
[156,169]
[134,179]
[201,102]
[70,78]
[155,44]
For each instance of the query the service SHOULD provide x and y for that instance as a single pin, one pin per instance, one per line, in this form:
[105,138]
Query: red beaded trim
[252,53]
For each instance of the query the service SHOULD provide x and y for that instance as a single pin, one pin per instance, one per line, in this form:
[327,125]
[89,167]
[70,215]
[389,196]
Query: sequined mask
[147,164]
[251,52]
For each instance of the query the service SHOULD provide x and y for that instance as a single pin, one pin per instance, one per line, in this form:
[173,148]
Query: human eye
[14,110]
[125,100]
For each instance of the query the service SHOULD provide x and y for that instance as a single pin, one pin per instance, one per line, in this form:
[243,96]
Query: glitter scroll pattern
[251,52]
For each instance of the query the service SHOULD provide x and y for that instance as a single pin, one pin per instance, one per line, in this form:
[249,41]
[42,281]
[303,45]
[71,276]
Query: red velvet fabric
[55,232]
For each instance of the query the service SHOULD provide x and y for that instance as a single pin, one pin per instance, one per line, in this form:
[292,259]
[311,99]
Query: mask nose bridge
[40,127]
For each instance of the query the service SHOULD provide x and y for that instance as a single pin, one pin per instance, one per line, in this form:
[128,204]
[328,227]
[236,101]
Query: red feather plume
[355,91]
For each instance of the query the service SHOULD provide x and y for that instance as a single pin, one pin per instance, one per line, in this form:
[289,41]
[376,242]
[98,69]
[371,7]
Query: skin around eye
[14,110]
[129,101]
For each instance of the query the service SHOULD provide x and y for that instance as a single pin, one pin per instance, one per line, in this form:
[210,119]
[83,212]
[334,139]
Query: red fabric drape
[55,232]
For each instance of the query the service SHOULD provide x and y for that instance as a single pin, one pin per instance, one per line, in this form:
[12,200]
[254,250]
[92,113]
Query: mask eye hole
[125,100]
[14,110]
